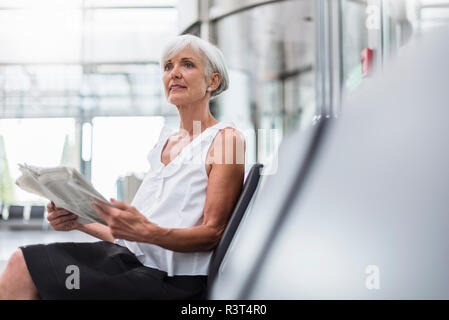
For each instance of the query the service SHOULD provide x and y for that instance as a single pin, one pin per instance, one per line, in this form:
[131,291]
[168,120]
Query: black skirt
[103,270]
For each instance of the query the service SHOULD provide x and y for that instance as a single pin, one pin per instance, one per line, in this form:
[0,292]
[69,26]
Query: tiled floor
[11,239]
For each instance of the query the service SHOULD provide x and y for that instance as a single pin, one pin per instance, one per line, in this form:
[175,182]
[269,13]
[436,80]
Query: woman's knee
[17,260]
[16,282]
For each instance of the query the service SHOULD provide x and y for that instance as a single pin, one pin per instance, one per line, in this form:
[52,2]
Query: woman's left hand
[125,221]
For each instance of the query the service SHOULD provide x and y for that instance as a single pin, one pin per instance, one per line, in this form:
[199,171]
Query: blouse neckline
[187,146]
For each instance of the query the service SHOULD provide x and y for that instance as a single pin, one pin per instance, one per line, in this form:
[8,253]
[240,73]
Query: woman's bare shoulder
[228,147]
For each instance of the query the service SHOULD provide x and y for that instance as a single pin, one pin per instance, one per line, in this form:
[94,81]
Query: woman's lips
[176,88]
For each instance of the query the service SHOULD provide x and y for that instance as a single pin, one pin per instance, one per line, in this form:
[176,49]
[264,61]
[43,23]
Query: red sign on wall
[366,59]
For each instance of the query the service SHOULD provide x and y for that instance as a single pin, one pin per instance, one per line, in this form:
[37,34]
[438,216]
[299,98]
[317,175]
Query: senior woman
[159,247]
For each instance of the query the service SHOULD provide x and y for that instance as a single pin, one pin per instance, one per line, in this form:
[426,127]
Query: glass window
[123,35]
[384,26]
[130,3]
[120,146]
[65,58]
[40,35]
[354,37]
[40,142]
[274,64]
[61,90]
[402,19]
[431,13]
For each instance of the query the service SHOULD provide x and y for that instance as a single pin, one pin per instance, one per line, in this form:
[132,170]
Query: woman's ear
[215,81]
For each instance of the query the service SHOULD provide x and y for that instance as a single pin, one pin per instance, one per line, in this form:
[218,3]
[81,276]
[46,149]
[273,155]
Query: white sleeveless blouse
[173,196]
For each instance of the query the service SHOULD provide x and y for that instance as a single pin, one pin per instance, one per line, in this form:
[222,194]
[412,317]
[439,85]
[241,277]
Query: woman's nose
[175,73]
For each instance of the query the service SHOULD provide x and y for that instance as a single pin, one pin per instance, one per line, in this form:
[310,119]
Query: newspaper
[65,186]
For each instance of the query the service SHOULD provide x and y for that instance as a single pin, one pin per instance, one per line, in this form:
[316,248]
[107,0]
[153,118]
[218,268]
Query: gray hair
[213,56]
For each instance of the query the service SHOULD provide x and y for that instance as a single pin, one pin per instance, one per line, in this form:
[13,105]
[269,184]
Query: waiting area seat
[249,188]
[2,209]
[37,212]
[15,216]
[18,219]
[37,218]
[15,213]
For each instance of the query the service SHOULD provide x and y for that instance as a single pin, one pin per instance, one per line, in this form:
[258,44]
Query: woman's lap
[102,270]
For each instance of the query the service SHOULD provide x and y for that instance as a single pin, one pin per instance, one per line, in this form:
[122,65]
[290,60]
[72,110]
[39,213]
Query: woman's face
[184,77]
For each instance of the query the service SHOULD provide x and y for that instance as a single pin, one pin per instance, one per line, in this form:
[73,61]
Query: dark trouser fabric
[106,271]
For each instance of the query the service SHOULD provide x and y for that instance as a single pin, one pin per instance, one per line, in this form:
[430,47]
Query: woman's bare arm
[97,230]
[223,190]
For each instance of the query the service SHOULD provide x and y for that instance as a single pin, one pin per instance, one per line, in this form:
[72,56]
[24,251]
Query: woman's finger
[55,214]
[50,206]
[62,220]
[102,205]
[59,213]
[119,204]
[65,217]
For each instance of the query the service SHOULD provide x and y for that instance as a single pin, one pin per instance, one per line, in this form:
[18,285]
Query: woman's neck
[195,118]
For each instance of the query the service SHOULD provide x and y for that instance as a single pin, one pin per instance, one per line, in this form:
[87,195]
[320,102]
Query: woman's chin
[177,100]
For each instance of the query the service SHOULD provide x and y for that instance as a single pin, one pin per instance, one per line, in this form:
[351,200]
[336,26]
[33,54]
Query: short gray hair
[213,56]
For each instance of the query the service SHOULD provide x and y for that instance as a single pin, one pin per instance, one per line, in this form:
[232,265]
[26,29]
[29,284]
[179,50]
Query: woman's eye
[189,65]
[167,67]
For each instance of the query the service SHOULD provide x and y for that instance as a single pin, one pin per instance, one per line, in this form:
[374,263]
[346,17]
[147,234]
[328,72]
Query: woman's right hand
[61,219]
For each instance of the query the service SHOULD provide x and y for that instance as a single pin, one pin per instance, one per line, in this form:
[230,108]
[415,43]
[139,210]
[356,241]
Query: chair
[15,212]
[36,218]
[1,214]
[37,212]
[16,219]
[249,188]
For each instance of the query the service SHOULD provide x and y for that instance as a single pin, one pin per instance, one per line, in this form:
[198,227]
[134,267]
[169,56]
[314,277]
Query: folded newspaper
[65,186]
